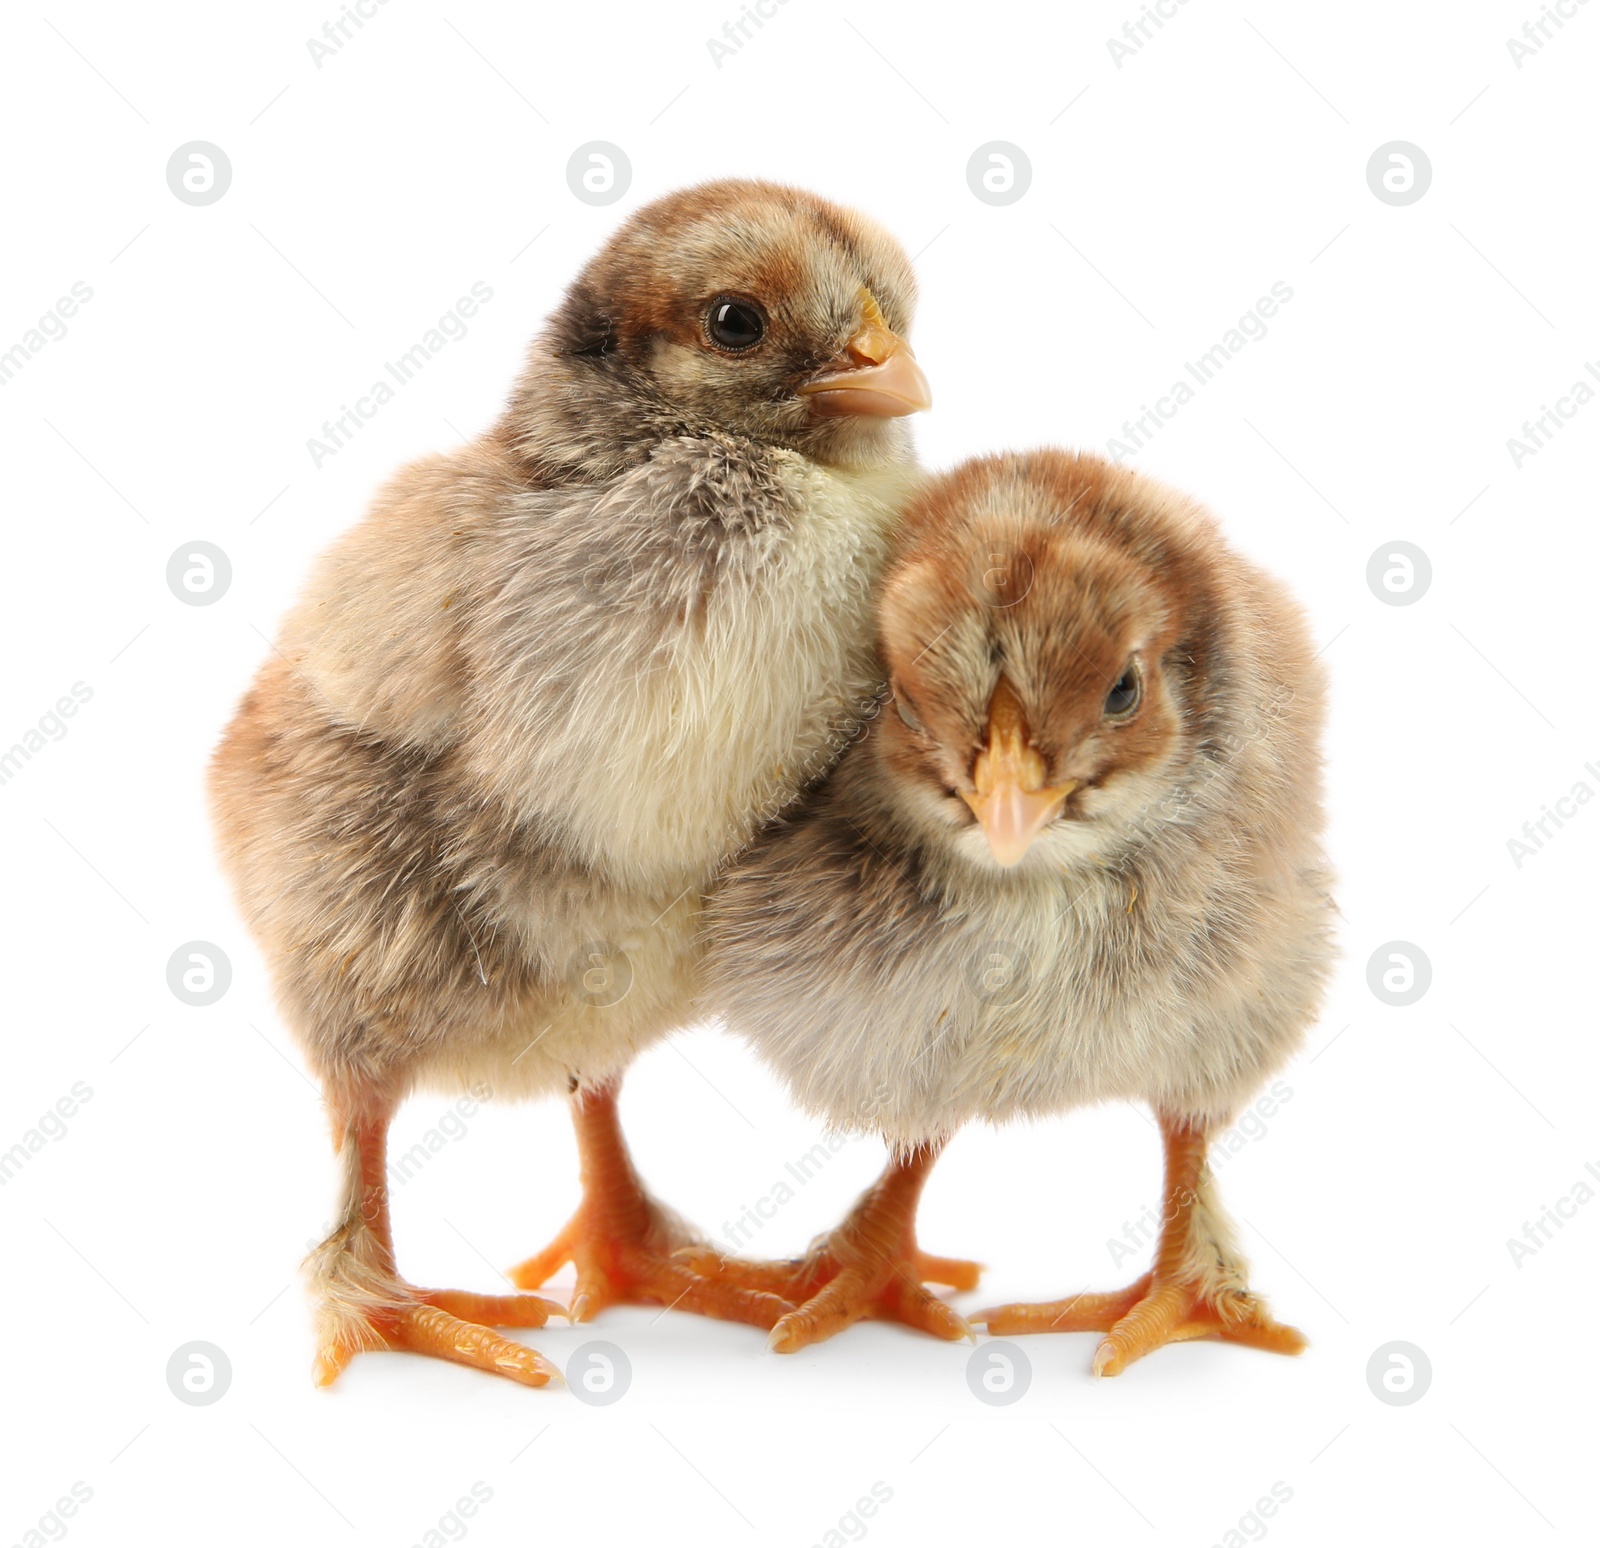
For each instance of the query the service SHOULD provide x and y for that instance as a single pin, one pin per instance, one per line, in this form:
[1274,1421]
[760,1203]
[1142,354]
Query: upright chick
[531,704]
[1079,861]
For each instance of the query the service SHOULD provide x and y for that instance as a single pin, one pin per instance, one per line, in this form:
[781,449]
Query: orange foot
[870,1267]
[1151,1312]
[450,1325]
[634,1251]
[627,1247]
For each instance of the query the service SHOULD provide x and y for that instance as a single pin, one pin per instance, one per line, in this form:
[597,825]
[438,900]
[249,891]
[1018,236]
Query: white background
[1167,196]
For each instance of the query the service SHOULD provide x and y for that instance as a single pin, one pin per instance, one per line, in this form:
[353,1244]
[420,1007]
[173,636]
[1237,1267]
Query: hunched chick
[1078,861]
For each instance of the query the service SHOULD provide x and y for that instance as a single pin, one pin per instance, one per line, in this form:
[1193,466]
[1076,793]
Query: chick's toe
[1195,1289]
[626,1246]
[868,1267]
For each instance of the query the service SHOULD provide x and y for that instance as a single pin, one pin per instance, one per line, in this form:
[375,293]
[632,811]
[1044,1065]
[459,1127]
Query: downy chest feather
[729,710]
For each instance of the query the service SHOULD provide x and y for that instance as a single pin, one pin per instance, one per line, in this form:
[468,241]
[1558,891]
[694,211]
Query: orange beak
[1012,802]
[877,376]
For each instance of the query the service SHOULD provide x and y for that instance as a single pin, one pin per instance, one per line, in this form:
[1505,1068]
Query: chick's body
[506,833]
[1162,936]
[533,701]
[1168,946]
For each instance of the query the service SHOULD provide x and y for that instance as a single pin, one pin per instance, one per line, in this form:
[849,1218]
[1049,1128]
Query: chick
[534,700]
[1077,861]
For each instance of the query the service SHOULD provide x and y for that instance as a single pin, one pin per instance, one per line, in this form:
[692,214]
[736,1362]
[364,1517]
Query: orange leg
[1196,1288]
[868,1267]
[364,1304]
[627,1247]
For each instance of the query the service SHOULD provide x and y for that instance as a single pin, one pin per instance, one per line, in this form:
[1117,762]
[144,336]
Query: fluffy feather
[531,703]
[913,951]
[1166,940]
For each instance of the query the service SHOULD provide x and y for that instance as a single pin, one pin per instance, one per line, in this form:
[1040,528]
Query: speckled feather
[1166,941]
[530,704]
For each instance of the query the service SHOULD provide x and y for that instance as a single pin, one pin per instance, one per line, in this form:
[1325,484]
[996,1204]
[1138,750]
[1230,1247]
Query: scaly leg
[868,1267]
[1196,1288]
[364,1304]
[627,1247]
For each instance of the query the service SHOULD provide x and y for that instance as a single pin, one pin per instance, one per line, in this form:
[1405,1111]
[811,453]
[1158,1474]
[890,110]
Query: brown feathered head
[743,307]
[1051,641]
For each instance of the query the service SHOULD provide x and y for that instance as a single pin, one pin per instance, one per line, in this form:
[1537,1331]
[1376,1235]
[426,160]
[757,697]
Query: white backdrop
[168,1198]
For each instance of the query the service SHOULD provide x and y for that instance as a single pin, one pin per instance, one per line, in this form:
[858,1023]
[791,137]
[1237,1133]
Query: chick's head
[1047,638]
[752,309]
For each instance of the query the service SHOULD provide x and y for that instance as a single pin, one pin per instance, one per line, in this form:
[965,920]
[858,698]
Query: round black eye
[1123,699]
[734,324]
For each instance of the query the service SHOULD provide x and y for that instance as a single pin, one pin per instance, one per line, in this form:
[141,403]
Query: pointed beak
[877,375]
[1012,802]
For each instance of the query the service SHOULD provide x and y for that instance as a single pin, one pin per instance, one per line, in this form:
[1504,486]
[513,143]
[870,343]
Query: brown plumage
[531,703]
[1077,860]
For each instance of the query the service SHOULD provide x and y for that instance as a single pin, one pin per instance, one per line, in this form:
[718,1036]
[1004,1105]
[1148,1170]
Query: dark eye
[1123,699]
[734,324]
